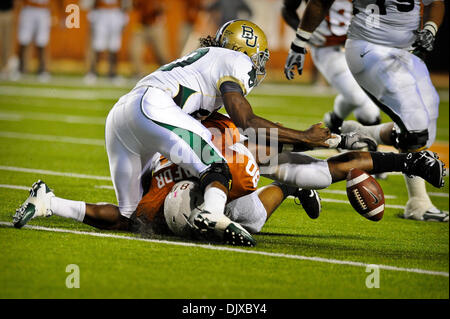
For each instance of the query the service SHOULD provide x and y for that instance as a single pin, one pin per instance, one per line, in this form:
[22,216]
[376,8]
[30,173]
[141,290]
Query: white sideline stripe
[52,117]
[47,172]
[221,248]
[53,138]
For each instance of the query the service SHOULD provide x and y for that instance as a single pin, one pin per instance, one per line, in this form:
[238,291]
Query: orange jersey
[107,4]
[335,25]
[38,3]
[244,170]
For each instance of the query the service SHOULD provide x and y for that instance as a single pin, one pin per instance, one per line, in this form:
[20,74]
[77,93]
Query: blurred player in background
[150,30]
[327,51]
[6,35]
[108,19]
[34,27]
[385,40]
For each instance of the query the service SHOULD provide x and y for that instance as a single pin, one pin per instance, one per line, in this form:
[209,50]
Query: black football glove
[425,39]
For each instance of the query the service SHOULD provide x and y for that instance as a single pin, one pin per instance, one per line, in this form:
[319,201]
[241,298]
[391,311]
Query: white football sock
[215,200]
[419,201]
[68,208]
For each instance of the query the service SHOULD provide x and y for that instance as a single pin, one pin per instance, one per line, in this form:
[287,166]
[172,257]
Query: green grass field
[55,132]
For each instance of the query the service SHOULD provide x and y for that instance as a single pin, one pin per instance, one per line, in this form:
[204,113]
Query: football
[365,194]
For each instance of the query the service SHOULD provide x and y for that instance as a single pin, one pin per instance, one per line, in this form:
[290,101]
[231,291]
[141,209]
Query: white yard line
[53,138]
[61,93]
[237,250]
[48,172]
[52,117]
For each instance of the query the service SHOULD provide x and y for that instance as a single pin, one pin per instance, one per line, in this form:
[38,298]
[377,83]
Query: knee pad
[410,140]
[216,172]
[368,123]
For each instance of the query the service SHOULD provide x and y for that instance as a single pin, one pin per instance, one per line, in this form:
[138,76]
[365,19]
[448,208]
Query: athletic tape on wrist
[431,26]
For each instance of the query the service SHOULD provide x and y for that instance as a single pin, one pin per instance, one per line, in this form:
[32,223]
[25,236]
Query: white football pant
[399,81]
[142,123]
[351,98]
[34,25]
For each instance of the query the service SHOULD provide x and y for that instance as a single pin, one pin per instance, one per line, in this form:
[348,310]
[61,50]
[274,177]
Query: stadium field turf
[55,132]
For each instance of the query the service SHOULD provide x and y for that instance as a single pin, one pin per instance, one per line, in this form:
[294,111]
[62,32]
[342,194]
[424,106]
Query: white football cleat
[36,205]
[417,209]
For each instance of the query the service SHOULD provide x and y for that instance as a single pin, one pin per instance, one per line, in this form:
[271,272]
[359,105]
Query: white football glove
[356,141]
[296,56]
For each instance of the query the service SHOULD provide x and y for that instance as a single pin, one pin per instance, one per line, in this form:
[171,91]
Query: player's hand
[425,37]
[296,58]
[356,141]
[317,136]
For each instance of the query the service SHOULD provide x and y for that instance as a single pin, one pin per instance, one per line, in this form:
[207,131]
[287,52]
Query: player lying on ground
[160,115]
[245,207]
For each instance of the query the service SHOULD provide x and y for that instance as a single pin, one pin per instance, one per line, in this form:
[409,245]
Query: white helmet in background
[181,205]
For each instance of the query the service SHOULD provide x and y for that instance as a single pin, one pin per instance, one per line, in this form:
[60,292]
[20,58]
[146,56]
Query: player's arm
[315,12]
[433,16]
[241,113]
[289,13]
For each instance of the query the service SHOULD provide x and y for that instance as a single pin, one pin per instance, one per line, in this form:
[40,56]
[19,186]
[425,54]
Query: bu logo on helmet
[247,33]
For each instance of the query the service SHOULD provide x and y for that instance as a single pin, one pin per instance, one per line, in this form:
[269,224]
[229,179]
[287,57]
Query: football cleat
[223,230]
[36,205]
[435,216]
[333,122]
[432,214]
[310,200]
[427,165]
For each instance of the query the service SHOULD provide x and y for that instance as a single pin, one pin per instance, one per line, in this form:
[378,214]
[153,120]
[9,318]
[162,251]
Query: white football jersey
[193,81]
[386,22]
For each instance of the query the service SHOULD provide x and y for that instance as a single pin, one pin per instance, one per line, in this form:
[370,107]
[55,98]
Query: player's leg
[399,83]
[42,38]
[351,98]
[25,34]
[116,21]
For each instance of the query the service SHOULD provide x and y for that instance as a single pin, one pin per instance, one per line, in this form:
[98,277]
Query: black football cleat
[427,165]
[310,200]
[223,231]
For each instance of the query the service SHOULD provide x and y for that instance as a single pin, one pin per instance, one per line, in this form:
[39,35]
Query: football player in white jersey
[327,51]
[382,37]
[160,115]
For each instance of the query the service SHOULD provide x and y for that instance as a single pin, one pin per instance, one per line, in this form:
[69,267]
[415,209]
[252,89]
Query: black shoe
[427,165]
[310,201]
[222,231]
[333,122]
